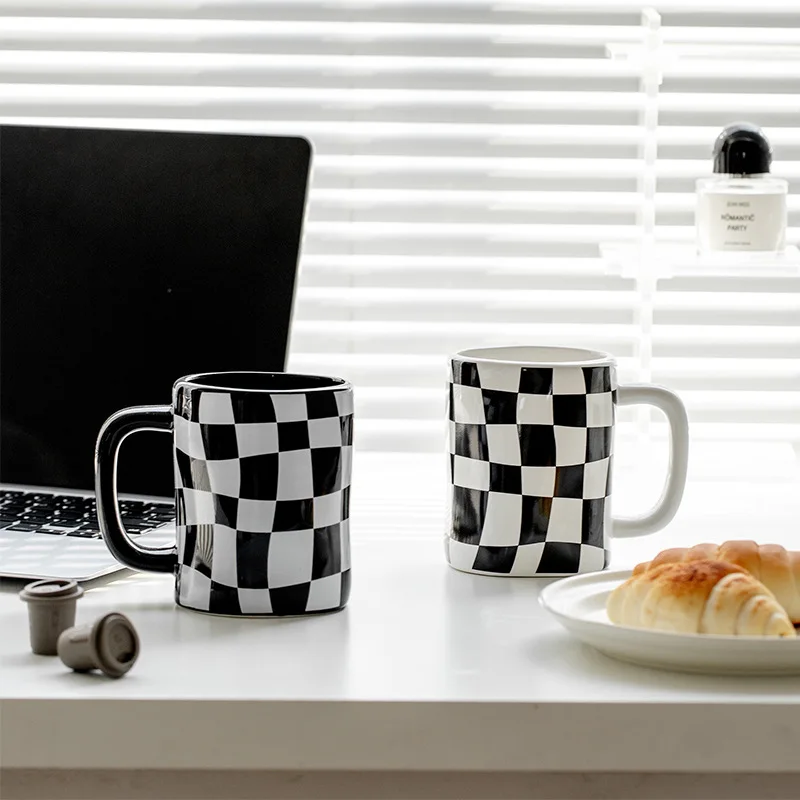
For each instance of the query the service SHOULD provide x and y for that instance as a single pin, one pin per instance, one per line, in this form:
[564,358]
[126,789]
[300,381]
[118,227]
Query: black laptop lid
[129,259]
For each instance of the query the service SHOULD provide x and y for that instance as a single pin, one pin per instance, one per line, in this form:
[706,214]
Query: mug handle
[665,509]
[114,431]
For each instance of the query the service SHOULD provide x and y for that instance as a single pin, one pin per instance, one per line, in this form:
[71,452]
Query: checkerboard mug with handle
[531,433]
[262,491]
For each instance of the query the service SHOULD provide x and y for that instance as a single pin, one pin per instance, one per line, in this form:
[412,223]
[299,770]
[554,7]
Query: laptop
[127,260]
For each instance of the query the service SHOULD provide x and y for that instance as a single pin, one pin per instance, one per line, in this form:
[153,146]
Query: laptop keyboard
[68,515]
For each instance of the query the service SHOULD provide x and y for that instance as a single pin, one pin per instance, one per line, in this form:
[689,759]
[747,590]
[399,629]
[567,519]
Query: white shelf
[668,260]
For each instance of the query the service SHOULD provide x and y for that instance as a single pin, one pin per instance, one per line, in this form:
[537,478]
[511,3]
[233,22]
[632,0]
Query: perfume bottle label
[742,222]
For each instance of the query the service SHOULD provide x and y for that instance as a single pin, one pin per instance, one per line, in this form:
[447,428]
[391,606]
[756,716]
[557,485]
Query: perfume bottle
[742,208]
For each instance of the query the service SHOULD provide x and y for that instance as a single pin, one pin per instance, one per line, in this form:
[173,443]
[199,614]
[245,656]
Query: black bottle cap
[742,149]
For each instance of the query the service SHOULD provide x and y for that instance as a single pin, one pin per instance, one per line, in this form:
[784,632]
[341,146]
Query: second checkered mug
[262,492]
[531,450]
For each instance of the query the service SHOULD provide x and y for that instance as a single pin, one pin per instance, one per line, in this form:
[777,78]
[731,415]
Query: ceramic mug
[262,492]
[531,432]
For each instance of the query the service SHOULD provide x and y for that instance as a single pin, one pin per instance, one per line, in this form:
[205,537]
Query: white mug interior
[538,356]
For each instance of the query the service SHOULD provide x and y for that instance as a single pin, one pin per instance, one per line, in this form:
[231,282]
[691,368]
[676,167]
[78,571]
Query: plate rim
[601,626]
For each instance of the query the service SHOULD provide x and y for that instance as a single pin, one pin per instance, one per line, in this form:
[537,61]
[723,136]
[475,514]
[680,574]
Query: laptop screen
[127,260]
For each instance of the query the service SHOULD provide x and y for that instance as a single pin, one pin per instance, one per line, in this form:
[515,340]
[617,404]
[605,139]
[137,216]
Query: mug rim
[200,380]
[581,356]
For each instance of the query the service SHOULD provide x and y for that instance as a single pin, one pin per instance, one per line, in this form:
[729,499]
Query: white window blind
[475,164]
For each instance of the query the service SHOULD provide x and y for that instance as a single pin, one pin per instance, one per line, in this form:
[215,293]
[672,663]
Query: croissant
[775,566]
[698,597]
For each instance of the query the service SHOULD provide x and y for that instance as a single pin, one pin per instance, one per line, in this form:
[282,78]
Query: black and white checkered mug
[262,492]
[531,449]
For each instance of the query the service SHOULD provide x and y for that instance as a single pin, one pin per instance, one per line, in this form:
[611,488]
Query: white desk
[427,670]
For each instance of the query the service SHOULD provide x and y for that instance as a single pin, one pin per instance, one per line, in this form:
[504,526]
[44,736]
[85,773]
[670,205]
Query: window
[479,168]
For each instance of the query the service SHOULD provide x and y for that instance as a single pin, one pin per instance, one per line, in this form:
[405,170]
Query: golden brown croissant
[775,566]
[698,597]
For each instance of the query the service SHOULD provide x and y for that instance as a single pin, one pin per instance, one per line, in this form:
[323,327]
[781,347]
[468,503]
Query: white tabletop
[427,668]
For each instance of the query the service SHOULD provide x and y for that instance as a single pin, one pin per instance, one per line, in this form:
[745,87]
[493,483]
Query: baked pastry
[775,566]
[698,597]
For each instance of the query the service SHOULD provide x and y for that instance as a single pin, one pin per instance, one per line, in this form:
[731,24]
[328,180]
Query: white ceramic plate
[579,604]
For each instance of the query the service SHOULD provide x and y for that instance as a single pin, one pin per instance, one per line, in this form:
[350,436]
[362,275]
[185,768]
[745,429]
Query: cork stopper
[51,610]
[109,644]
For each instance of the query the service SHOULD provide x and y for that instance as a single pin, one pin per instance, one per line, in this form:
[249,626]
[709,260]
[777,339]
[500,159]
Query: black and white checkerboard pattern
[262,499]
[530,467]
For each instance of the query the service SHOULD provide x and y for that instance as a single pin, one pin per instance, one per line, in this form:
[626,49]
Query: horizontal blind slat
[400,138]
[253,36]
[478,9]
[206,69]
[488,166]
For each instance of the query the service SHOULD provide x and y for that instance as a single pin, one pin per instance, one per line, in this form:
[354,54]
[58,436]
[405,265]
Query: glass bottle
[742,208]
